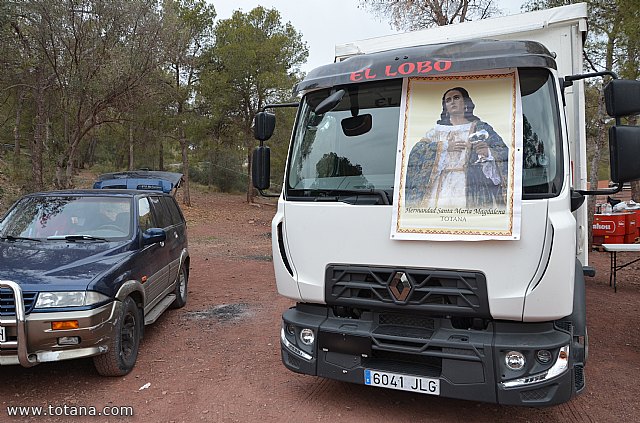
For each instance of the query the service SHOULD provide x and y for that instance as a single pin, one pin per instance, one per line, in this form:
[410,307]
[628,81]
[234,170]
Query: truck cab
[495,320]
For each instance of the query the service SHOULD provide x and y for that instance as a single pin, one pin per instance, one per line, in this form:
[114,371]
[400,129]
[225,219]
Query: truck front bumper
[469,364]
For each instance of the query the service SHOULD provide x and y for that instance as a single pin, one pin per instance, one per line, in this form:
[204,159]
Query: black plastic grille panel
[535,395]
[455,293]
[565,325]
[422,365]
[579,375]
[293,360]
[406,320]
[7,303]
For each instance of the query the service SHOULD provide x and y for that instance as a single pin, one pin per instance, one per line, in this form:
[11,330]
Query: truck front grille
[406,320]
[7,302]
[442,292]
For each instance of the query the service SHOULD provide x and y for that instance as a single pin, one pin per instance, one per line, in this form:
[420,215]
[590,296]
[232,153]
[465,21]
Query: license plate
[2,335]
[422,385]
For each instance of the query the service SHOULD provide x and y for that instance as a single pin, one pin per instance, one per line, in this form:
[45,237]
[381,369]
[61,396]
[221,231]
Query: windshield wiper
[335,194]
[22,238]
[74,238]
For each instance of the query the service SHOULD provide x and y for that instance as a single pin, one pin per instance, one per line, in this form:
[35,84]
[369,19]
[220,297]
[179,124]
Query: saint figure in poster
[461,162]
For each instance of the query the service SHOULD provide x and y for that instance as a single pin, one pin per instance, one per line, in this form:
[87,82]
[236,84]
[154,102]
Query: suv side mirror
[153,235]
[263,125]
[261,167]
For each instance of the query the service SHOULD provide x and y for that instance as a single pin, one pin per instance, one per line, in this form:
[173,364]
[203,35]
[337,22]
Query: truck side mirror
[263,125]
[261,167]
[622,97]
[624,151]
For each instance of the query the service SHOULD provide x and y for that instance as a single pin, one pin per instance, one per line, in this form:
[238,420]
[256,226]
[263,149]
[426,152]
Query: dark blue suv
[82,272]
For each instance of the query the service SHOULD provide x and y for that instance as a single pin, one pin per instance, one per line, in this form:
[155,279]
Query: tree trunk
[64,165]
[16,134]
[69,171]
[38,137]
[186,195]
[91,152]
[635,185]
[250,193]
[635,191]
[60,179]
[161,156]
[248,134]
[601,142]
[64,171]
[131,167]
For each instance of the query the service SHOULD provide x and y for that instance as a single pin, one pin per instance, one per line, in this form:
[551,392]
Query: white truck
[499,320]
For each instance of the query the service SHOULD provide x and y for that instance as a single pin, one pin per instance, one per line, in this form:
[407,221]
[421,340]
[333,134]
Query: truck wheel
[181,288]
[123,346]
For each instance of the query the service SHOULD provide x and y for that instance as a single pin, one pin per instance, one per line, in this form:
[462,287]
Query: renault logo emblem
[400,287]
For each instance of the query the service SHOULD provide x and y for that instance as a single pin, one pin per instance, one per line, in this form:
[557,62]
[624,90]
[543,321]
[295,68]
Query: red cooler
[610,225]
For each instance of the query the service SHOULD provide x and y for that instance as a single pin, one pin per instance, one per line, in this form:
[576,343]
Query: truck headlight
[515,360]
[559,367]
[306,336]
[69,299]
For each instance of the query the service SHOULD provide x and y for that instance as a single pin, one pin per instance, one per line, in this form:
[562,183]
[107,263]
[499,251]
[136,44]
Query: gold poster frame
[496,95]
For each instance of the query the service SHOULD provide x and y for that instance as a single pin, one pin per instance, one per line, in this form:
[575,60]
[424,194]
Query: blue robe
[481,190]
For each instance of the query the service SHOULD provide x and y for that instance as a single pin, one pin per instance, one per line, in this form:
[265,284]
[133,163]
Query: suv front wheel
[123,346]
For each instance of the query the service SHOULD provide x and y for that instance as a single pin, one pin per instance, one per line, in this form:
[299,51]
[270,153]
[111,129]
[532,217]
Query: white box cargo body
[485,317]
[562,30]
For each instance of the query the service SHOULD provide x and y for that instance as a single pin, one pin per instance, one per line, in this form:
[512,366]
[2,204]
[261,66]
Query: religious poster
[459,162]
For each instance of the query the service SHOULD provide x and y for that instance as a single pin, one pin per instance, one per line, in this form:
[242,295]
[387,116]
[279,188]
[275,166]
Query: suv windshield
[335,153]
[69,218]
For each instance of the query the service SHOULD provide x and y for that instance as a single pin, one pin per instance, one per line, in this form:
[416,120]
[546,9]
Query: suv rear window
[163,217]
[174,211]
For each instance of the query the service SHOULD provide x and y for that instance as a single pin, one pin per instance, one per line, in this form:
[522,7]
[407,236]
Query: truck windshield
[336,152]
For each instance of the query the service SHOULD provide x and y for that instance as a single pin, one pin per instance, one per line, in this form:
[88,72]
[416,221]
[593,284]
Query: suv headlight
[69,299]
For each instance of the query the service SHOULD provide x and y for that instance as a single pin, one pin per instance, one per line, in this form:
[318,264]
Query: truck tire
[123,346]
[181,288]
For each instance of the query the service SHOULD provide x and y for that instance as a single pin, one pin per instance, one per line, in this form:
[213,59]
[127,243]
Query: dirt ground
[218,359]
